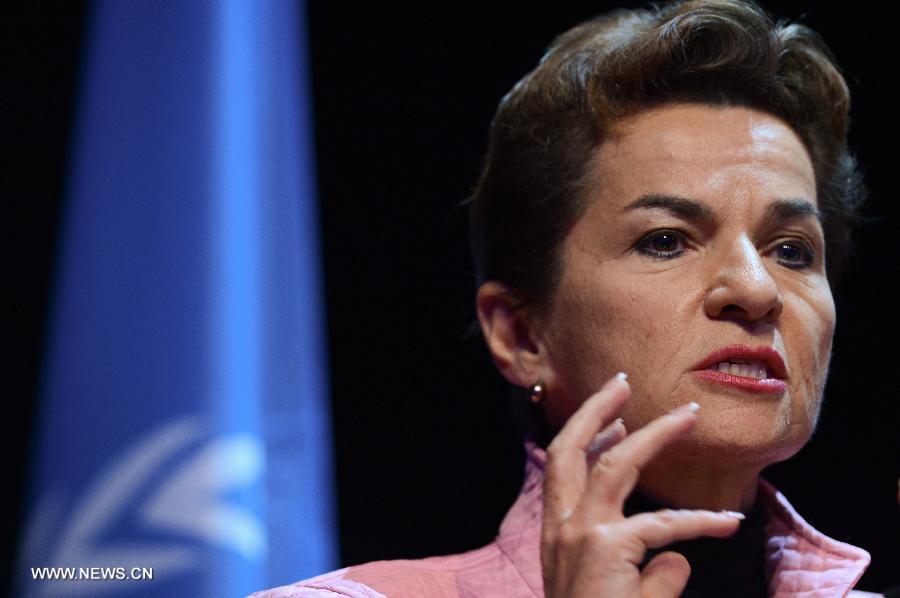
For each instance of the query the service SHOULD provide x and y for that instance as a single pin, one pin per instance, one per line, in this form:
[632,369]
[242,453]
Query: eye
[794,254]
[662,244]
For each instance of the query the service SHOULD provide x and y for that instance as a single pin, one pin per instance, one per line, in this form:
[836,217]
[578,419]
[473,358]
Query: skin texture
[736,277]
[652,290]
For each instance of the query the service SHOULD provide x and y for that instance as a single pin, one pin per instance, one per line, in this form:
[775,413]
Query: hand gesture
[588,547]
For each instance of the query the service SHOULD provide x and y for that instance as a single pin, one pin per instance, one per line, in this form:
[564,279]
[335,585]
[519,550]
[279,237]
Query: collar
[799,558]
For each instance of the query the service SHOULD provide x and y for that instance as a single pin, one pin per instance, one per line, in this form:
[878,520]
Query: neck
[691,485]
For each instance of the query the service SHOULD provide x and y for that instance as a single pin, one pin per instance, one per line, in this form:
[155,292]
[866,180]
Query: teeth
[746,370]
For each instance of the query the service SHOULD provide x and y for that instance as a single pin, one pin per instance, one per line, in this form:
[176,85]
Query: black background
[427,460]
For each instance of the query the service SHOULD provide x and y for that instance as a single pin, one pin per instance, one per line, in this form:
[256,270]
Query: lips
[767,356]
[755,369]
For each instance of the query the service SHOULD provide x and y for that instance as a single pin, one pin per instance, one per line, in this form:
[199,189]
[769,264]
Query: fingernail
[691,407]
[734,514]
[621,377]
[618,426]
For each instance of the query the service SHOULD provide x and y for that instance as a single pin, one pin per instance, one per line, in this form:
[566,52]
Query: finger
[593,414]
[603,440]
[616,472]
[664,527]
[606,439]
[566,468]
[665,576]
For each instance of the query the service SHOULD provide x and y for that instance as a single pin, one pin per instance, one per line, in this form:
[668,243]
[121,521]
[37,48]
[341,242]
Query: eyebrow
[786,209]
[690,209]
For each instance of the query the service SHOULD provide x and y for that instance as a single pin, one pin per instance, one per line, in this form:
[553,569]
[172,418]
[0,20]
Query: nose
[741,287]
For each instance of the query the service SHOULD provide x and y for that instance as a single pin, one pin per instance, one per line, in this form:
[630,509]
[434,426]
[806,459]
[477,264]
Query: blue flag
[183,444]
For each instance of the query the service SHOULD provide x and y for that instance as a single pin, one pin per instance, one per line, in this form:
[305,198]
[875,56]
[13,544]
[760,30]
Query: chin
[748,436]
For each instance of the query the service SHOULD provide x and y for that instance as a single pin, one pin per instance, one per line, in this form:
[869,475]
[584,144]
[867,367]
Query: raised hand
[588,547]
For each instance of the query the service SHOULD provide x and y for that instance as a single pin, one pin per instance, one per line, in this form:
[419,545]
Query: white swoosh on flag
[189,501]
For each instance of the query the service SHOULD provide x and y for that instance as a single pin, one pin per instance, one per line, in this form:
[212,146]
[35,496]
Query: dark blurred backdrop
[427,460]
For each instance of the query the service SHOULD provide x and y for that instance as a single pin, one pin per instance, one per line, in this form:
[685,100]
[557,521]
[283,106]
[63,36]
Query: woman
[669,195]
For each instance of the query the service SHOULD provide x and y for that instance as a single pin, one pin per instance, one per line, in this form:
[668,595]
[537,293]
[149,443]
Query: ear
[511,335]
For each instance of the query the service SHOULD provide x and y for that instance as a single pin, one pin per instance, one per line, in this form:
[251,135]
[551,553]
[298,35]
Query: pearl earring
[537,392]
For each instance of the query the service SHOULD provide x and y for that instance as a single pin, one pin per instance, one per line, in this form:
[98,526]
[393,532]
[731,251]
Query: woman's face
[700,233]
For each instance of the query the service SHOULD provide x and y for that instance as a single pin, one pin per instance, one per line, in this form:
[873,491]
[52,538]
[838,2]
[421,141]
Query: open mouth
[754,369]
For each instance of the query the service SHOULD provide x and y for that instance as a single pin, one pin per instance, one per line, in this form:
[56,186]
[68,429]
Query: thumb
[665,575]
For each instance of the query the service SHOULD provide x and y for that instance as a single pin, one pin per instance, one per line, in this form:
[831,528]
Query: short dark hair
[717,52]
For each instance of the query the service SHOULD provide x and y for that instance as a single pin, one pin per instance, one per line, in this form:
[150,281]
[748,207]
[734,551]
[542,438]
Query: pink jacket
[799,559]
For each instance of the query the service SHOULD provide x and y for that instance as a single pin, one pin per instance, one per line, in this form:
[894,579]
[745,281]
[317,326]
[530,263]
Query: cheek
[815,321]
[623,326]
[663,335]
[584,339]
